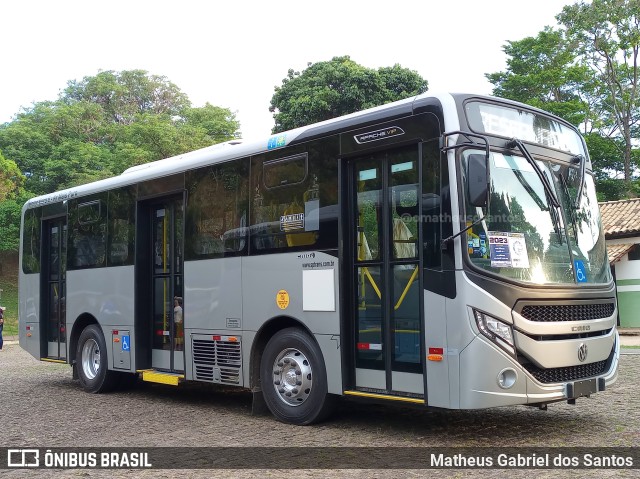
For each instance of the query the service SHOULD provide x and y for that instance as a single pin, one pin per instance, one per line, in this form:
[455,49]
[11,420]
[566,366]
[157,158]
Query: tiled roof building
[621,223]
[621,218]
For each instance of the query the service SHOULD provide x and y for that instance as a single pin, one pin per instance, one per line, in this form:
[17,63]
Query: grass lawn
[9,299]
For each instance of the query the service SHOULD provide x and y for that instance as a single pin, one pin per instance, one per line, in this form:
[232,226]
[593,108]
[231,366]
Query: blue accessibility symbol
[580,272]
[126,344]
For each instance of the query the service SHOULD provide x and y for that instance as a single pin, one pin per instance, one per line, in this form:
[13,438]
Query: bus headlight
[494,329]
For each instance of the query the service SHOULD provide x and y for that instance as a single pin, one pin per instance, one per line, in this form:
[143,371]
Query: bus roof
[240,148]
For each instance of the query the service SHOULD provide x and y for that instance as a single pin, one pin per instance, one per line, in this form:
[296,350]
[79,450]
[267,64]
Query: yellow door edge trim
[384,396]
[59,361]
[163,373]
[161,377]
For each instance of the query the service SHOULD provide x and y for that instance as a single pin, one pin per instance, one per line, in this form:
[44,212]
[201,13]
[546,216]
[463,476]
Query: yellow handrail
[406,289]
[365,272]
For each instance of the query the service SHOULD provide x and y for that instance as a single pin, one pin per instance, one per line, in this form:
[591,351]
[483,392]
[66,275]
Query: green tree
[542,71]
[218,124]
[11,179]
[334,88]
[98,127]
[586,73]
[104,124]
[12,197]
[123,95]
[10,211]
[606,34]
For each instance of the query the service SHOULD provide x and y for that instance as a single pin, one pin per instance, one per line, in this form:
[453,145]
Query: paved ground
[40,406]
[630,337]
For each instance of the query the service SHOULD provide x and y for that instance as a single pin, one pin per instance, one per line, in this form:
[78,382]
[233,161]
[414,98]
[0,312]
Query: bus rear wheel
[294,378]
[91,362]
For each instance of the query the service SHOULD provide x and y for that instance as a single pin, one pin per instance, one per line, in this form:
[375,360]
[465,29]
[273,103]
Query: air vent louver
[217,360]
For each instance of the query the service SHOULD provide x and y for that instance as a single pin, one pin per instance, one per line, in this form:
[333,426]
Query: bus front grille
[566,374]
[567,312]
[217,360]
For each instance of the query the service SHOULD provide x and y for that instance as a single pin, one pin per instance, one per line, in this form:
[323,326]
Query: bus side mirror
[478,180]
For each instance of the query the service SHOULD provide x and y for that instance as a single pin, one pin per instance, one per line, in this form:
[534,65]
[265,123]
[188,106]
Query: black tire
[91,362]
[294,378]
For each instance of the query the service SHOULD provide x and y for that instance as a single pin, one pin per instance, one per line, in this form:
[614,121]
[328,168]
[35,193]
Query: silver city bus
[444,250]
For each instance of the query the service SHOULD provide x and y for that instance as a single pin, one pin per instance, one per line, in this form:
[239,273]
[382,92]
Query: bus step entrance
[161,377]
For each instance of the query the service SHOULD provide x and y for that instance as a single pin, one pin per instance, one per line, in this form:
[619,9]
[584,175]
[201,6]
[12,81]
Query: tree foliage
[607,36]
[11,179]
[542,71]
[337,87]
[101,125]
[122,96]
[586,72]
[12,197]
[98,127]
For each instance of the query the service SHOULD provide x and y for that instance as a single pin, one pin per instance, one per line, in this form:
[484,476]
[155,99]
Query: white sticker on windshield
[508,250]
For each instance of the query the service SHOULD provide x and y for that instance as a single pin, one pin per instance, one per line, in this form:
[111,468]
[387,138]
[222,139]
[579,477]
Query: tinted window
[121,241]
[294,198]
[87,232]
[431,203]
[285,171]
[31,241]
[217,210]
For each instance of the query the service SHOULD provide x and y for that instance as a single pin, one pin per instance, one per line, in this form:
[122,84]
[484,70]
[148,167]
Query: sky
[232,54]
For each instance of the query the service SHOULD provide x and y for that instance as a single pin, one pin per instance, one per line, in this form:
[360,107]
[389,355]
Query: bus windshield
[524,238]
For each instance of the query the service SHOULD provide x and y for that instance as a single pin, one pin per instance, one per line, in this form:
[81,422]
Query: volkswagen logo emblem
[582,352]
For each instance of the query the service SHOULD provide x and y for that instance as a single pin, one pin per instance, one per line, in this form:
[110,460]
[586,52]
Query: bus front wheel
[294,378]
[91,362]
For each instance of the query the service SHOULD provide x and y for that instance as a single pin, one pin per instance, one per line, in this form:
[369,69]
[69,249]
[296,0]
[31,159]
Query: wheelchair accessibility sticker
[580,272]
[126,343]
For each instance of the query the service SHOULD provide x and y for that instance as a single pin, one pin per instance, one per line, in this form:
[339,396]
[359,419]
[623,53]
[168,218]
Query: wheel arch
[84,320]
[264,334]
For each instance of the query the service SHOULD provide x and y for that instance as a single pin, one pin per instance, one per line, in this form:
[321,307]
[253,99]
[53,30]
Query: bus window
[121,239]
[87,233]
[31,241]
[286,203]
[285,172]
[431,204]
[217,210]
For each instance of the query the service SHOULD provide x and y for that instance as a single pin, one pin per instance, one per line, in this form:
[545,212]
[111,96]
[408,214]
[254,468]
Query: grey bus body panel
[556,354]
[29,311]
[482,387]
[439,373]
[105,294]
[264,276]
[213,295]
[479,380]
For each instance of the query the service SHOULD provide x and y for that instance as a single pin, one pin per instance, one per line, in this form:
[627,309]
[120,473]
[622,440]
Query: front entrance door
[385,280]
[54,283]
[166,253]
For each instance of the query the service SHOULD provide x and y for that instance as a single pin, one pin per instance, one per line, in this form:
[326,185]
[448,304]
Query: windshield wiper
[548,189]
[554,213]
[551,195]
[583,168]
[572,213]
